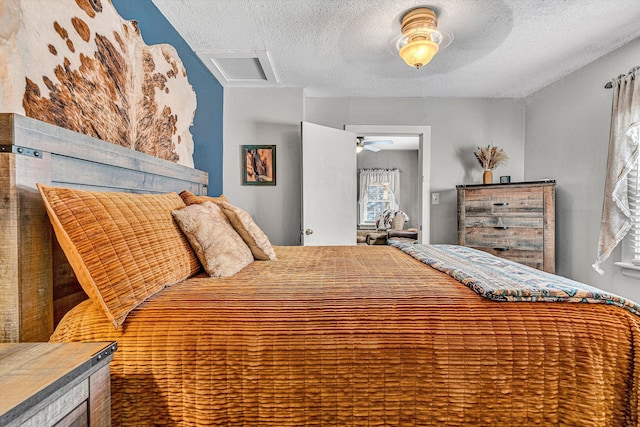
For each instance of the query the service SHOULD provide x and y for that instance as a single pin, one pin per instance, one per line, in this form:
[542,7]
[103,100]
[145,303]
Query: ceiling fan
[369,144]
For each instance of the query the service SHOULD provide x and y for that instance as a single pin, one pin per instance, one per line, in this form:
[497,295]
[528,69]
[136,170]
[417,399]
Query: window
[630,262]
[378,199]
[631,244]
[378,191]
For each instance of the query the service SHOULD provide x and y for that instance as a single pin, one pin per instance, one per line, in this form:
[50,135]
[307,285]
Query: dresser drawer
[504,203]
[503,222]
[533,259]
[530,239]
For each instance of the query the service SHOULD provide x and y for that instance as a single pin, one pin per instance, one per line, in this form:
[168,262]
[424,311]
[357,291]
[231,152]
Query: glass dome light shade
[418,53]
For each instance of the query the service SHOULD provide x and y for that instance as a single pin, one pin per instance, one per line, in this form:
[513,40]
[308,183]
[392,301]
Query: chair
[390,225]
[409,235]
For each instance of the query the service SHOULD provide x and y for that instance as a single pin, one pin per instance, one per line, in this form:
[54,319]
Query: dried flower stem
[491,157]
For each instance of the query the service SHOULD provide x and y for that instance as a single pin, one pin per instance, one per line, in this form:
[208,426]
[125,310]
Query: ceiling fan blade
[378,142]
[372,148]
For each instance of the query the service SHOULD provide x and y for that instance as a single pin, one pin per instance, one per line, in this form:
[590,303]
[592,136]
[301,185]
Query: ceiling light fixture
[420,39]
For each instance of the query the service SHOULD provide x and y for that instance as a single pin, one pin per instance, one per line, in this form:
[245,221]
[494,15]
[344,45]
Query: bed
[358,335]
[362,336]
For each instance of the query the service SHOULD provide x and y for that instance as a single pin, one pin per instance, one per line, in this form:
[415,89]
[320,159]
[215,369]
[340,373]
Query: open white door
[329,186]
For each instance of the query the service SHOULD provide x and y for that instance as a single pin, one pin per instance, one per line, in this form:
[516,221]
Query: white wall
[567,135]
[458,126]
[271,117]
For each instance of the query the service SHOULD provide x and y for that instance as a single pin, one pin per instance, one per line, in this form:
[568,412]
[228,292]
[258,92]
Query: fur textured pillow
[242,222]
[252,235]
[191,199]
[220,249]
[123,247]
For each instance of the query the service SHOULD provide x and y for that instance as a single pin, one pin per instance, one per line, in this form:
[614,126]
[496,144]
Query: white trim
[628,269]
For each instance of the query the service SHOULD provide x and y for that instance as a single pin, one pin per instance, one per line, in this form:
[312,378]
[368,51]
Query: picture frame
[258,165]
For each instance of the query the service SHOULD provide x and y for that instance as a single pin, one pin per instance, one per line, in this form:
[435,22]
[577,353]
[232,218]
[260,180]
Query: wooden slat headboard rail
[37,286]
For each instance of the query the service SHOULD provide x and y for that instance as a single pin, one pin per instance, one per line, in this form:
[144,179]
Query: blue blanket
[503,280]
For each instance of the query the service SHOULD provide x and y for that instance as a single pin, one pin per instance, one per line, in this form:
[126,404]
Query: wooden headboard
[37,285]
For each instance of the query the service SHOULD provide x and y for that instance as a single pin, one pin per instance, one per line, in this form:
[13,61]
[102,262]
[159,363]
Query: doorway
[423,133]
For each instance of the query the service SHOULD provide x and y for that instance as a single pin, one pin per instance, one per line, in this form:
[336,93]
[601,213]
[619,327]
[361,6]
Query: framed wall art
[258,165]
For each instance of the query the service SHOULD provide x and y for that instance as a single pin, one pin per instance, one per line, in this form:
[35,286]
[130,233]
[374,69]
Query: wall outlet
[435,198]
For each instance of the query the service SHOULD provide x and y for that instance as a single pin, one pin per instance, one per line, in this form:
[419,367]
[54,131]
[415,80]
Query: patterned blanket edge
[499,279]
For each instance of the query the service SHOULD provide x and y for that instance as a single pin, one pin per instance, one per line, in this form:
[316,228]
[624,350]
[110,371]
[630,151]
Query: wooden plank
[505,221]
[462,201]
[550,229]
[34,250]
[44,137]
[525,239]
[26,288]
[9,274]
[503,202]
[514,208]
[77,418]
[6,129]
[512,186]
[87,175]
[100,401]
[533,259]
[59,409]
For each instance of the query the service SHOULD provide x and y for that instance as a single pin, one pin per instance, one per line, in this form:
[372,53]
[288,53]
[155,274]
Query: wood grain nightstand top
[33,376]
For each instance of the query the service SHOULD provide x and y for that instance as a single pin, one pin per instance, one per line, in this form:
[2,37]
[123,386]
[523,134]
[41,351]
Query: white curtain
[379,176]
[623,156]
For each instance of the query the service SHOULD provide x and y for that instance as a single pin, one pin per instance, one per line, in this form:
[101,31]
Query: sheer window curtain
[379,176]
[622,158]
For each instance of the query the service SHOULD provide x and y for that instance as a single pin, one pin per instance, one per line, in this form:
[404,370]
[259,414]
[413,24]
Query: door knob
[308,231]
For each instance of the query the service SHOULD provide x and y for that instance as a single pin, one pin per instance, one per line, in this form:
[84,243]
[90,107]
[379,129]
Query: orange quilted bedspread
[366,336]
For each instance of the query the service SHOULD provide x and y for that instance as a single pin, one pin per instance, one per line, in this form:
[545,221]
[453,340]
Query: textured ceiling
[501,48]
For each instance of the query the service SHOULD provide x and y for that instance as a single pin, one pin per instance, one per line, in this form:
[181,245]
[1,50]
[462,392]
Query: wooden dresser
[62,384]
[514,221]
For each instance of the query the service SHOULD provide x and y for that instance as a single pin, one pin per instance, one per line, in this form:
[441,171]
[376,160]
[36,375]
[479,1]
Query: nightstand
[66,384]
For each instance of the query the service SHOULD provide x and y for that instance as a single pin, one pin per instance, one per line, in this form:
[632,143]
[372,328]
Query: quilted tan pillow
[123,247]
[252,235]
[191,199]
[220,249]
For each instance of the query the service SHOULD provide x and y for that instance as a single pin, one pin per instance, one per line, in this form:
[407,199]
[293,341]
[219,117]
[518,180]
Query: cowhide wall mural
[77,64]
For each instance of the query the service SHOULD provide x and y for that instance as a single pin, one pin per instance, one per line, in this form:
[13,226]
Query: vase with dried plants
[490,158]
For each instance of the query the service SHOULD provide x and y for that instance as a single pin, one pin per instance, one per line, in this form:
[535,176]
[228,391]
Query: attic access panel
[239,68]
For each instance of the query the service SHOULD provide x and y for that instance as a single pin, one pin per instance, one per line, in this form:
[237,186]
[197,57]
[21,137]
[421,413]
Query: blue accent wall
[207,123]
